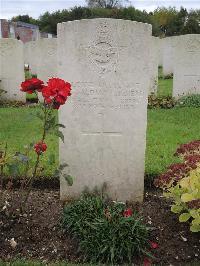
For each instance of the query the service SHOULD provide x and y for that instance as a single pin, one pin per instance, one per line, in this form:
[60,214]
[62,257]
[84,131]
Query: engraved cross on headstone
[102,132]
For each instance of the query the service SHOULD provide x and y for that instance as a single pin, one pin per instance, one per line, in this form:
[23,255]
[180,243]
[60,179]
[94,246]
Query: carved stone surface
[154,60]
[11,69]
[41,55]
[47,58]
[187,66]
[169,44]
[107,62]
[31,55]
[160,51]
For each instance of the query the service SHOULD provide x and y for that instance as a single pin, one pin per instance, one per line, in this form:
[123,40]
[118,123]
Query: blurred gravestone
[31,56]
[187,66]
[47,58]
[11,69]
[154,61]
[168,47]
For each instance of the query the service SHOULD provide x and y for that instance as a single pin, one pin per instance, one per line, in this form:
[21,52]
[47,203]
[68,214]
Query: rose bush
[32,85]
[55,93]
[40,147]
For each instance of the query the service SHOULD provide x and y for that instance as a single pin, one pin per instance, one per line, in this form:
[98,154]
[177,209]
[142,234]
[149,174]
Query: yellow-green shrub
[186,197]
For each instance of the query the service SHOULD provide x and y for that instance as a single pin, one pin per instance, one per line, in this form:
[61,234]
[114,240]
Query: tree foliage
[26,19]
[165,21]
[105,3]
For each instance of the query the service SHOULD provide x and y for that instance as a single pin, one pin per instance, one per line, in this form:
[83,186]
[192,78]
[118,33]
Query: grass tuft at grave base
[166,129]
[107,231]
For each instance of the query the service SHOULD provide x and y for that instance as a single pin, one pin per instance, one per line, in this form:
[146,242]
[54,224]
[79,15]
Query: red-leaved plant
[190,154]
[55,93]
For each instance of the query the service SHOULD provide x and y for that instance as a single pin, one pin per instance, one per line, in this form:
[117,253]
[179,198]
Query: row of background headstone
[177,55]
[181,57]
[11,69]
[112,65]
[170,52]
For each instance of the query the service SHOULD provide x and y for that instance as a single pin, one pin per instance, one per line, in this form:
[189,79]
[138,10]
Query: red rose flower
[40,147]
[128,213]
[147,262]
[154,245]
[32,85]
[56,92]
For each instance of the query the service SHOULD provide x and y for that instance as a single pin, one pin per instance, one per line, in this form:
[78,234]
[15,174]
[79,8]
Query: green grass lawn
[31,97]
[19,127]
[166,129]
[165,87]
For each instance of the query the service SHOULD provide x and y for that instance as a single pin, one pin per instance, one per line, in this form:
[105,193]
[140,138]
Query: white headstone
[187,66]
[154,58]
[169,44]
[11,69]
[106,60]
[31,55]
[47,58]
[160,51]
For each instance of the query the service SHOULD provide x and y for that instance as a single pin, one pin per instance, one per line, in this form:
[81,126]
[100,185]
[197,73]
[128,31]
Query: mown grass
[31,97]
[165,86]
[20,127]
[166,129]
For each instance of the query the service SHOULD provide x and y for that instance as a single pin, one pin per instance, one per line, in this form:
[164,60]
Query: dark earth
[39,235]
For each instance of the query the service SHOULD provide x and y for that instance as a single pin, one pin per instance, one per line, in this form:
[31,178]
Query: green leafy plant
[107,231]
[169,76]
[2,92]
[181,182]
[189,101]
[162,76]
[8,103]
[165,102]
[28,74]
[186,197]
[189,153]
[3,161]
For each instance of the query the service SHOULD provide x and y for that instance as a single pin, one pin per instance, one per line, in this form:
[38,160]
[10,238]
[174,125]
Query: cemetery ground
[39,234]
